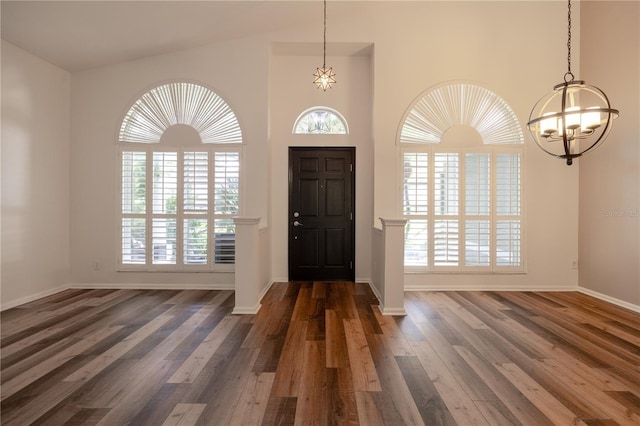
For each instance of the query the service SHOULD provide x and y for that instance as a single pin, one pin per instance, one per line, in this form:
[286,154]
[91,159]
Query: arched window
[321,120]
[180,103]
[180,156]
[452,104]
[462,181]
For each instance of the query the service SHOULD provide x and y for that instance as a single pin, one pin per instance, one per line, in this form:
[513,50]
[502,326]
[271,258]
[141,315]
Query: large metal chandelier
[324,77]
[561,125]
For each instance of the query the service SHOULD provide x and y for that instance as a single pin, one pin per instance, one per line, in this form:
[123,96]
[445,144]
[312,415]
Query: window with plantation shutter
[416,207]
[508,222]
[477,209]
[179,200]
[446,207]
[463,202]
[227,175]
[462,209]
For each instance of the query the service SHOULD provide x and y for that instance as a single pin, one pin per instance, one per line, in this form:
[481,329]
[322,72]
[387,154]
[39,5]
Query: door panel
[321,212]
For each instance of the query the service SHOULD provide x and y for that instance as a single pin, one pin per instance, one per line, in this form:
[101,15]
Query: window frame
[493,150]
[181,213]
[319,108]
[144,129]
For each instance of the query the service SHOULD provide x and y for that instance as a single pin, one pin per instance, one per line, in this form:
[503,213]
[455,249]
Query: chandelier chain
[569,73]
[324,37]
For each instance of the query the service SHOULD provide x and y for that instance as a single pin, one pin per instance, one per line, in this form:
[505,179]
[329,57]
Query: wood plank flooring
[319,354]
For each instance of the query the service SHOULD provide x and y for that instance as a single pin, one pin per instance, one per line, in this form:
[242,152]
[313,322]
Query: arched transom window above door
[320,120]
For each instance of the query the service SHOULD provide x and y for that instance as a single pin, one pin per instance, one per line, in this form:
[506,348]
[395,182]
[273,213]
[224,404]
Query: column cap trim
[246,220]
[393,222]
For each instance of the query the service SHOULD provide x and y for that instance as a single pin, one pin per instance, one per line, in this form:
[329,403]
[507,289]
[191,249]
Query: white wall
[510,48]
[35,177]
[610,176]
[502,49]
[500,46]
[235,70]
[292,92]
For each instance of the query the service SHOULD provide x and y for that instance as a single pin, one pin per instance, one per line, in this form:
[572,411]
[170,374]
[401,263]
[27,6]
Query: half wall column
[392,302]
[247,275]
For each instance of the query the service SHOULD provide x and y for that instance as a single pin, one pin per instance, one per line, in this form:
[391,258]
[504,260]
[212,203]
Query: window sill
[414,271]
[223,269]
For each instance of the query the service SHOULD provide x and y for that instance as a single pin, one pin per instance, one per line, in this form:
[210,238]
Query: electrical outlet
[97,265]
[574,264]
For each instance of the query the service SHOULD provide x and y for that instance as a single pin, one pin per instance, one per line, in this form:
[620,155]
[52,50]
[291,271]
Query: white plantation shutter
[416,242]
[180,103]
[134,175]
[508,195]
[508,242]
[196,182]
[134,196]
[463,210]
[226,181]
[477,184]
[477,243]
[446,184]
[416,183]
[165,182]
[224,241]
[134,241]
[195,241]
[164,241]
[446,195]
[449,104]
[193,193]
[227,174]
[508,184]
[190,192]
[477,236]
[416,205]
[446,239]
[462,205]
[196,203]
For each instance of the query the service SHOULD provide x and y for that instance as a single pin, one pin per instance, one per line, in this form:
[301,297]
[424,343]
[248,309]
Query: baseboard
[243,310]
[486,288]
[397,311]
[33,297]
[265,290]
[252,310]
[381,307]
[613,300]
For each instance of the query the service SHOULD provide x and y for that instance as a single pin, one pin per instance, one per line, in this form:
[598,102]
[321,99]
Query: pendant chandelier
[574,118]
[324,77]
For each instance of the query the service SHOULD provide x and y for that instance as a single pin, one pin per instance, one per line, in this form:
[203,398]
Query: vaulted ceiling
[78,35]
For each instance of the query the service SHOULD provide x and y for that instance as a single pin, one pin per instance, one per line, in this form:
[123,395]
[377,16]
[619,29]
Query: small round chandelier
[574,118]
[324,77]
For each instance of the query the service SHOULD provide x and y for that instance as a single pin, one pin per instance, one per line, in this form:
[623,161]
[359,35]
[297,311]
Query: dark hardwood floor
[319,353]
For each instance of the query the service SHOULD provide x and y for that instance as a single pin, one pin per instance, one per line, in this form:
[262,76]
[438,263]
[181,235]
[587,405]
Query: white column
[247,266]
[392,302]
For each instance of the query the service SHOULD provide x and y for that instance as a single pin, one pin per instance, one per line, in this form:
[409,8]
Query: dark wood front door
[321,214]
